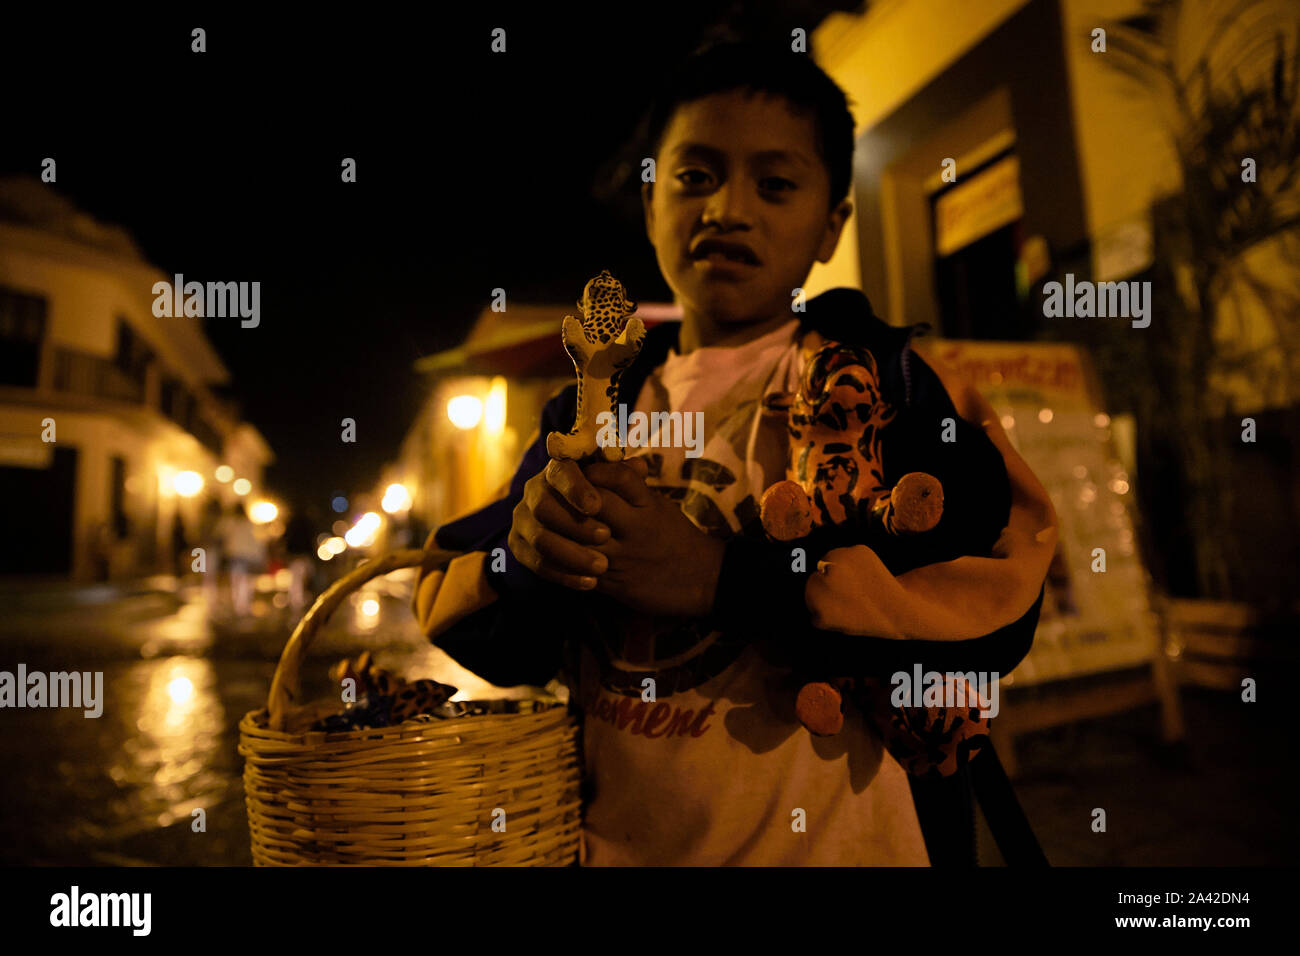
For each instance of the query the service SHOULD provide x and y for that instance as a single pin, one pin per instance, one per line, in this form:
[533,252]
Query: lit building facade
[111,440]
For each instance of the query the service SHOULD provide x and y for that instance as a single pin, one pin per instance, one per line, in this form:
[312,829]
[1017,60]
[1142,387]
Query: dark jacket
[520,637]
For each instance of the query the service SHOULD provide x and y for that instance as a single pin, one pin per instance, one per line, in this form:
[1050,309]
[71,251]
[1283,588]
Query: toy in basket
[414,779]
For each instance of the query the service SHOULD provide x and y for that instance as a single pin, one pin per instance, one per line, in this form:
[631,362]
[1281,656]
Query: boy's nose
[728,207]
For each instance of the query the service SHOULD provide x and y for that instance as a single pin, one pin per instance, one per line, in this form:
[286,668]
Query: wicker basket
[488,790]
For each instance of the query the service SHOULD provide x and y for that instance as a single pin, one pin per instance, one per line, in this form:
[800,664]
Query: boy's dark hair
[723,67]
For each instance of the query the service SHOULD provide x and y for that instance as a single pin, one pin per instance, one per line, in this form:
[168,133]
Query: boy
[689,622]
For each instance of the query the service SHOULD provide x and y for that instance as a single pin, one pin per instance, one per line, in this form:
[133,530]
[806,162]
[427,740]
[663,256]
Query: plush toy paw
[820,708]
[914,506]
[786,511]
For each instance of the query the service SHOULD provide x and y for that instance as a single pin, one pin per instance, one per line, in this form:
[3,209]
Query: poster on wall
[1097,613]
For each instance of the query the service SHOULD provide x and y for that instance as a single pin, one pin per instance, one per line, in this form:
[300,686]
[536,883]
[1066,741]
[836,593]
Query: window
[177,401]
[133,355]
[22,329]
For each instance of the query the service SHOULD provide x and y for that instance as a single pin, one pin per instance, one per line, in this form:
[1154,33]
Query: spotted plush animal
[388,698]
[602,344]
[835,477]
[925,740]
[835,474]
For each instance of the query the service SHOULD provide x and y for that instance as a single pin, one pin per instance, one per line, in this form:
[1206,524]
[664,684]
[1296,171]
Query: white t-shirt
[717,769]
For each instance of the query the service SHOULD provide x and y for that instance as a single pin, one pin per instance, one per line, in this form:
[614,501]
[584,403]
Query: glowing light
[180,689]
[188,483]
[224,473]
[339,504]
[283,578]
[334,545]
[362,534]
[324,553]
[166,480]
[339,527]
[1119,486]
[262,512]
[494,410]
[1101,420]
[1045,415]
[1080,472]
[396,499]
[1008,422]
[465,411]
[242,486]
[370,607]
[264,582]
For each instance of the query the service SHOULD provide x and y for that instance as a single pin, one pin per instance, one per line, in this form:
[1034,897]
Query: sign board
[1092,620]
[973,209]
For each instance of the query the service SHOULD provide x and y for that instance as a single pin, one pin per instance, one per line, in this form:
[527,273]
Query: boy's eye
[700,177]
[777,184]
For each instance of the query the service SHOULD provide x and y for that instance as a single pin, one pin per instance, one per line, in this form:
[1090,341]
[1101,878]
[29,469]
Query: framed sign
[1097,613]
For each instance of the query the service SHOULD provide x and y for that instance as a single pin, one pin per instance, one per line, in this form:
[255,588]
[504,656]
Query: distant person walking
[244,554]
[211,545]
[300,544]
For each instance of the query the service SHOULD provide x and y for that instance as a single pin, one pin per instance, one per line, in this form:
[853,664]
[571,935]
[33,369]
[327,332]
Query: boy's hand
[659,562]
[553,528]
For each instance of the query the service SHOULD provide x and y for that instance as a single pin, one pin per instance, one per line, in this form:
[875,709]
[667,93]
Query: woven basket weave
[415,794]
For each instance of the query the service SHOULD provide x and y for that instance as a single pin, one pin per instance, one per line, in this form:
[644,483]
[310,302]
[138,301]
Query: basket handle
[285,686]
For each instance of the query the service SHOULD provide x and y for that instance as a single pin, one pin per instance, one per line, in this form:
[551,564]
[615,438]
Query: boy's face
[739,173]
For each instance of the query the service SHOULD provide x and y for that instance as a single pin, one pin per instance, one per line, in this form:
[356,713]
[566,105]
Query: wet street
[122,789]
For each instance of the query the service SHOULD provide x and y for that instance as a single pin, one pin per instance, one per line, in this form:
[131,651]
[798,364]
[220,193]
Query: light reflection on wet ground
[123,788]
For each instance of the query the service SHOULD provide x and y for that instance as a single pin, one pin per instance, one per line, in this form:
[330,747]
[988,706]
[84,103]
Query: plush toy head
[605,307]
[834,421]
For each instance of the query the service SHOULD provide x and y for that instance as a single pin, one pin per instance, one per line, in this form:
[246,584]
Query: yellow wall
[882,58]
[1125,156]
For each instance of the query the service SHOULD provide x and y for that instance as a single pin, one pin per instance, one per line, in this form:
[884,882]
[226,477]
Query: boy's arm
[981,610]
[492,615]
[952,600]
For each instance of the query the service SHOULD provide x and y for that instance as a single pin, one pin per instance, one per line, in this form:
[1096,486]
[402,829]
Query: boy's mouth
[721,250]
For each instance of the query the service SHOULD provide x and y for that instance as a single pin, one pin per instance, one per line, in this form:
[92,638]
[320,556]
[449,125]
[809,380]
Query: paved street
[120,789]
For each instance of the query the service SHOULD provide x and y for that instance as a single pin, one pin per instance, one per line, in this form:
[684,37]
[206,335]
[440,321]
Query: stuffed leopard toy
[835,482]
[835,474]
[602,345]
[382,698]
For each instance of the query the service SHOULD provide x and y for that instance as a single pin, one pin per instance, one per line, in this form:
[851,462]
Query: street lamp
[362,534]
[188,483]
[396,499]
[465,411]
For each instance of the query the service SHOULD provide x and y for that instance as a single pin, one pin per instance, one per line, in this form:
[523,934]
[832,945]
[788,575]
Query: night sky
[474,170]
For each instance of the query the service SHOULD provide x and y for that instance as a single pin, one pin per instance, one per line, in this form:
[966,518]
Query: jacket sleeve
[968,613]
[488,612]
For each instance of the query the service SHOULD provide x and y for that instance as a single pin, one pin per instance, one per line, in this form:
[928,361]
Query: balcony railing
[84,374]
